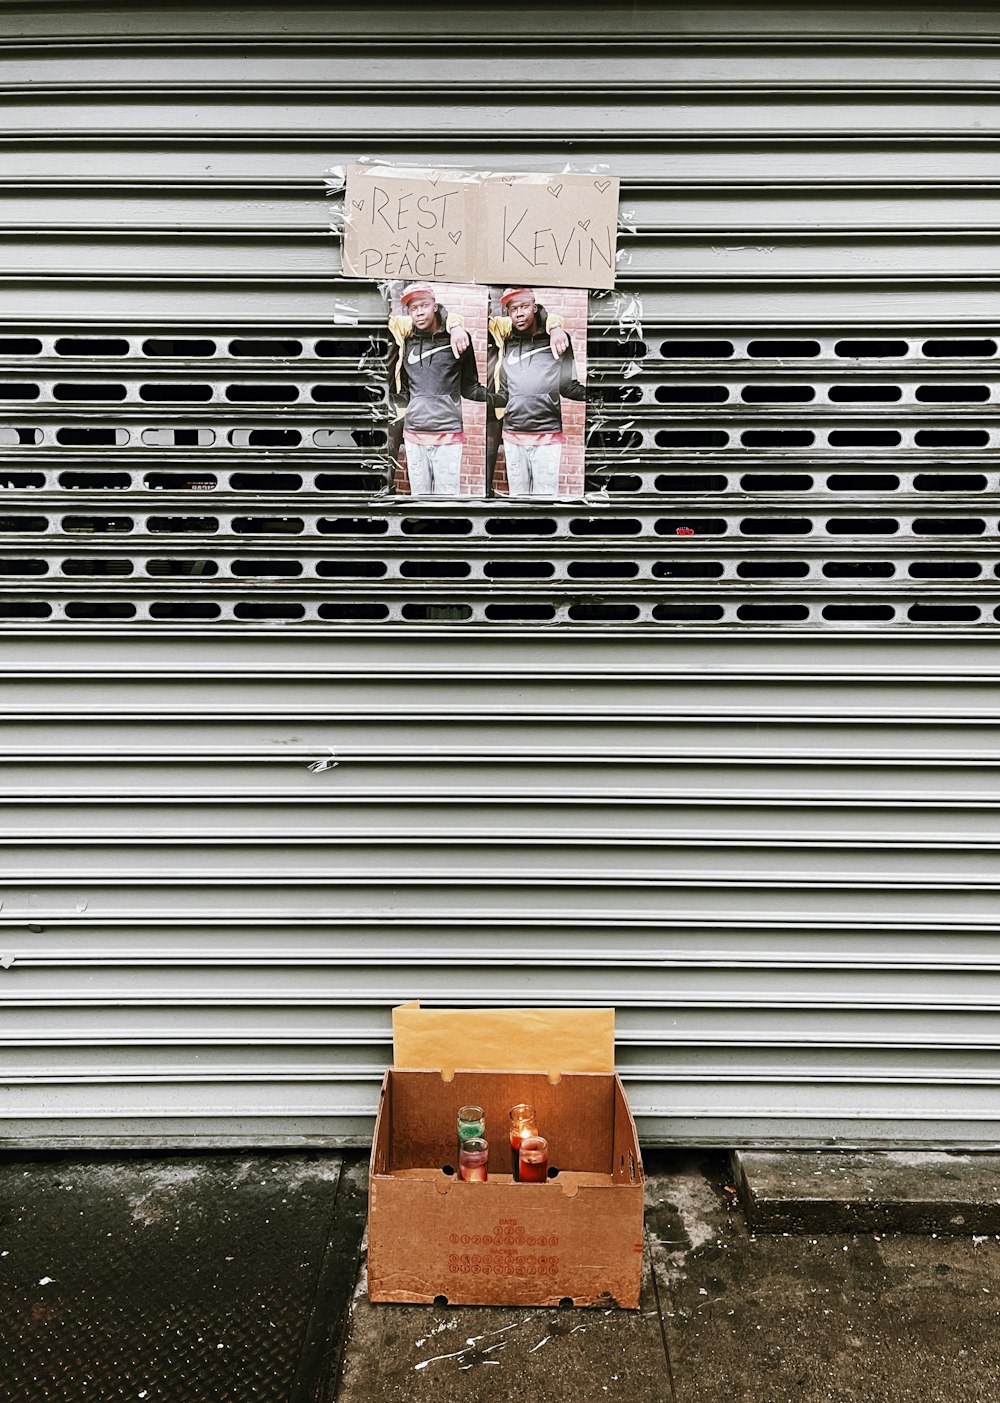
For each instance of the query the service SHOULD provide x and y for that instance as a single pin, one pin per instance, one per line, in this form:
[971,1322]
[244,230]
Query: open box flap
[552,1040]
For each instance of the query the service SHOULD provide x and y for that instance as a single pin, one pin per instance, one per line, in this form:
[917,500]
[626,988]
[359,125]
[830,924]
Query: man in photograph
[431,368]
[532,370]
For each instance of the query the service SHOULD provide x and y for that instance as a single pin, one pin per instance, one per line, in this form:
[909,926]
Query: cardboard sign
[560,230]
[410,224]
[455,226]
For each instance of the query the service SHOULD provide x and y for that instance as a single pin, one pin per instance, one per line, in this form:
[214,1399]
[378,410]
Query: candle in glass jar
[472,1160]
[522,1123]
[471,1124]
[534,1160]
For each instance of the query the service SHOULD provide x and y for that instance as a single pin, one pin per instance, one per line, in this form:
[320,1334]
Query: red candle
[522,1123]
[534,1157]
[472,1161]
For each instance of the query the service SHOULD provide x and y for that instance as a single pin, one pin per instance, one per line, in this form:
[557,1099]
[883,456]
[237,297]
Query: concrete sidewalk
[233,1277]
[726,1315]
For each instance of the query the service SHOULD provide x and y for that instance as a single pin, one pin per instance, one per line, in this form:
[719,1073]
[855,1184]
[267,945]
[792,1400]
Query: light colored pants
[532,470]
[434,469]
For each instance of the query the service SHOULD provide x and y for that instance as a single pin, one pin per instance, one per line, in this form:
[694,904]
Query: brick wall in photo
[468,301]
[571,304]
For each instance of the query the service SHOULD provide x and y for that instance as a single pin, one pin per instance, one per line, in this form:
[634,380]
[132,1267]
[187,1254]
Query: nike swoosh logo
[526,355]
[414,359]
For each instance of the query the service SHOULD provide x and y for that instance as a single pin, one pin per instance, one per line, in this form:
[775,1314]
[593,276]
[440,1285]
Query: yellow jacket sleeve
[399,329]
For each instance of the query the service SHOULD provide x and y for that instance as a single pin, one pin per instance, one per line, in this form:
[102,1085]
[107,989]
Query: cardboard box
[576,1237]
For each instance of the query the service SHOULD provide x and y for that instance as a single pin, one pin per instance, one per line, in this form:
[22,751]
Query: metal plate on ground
[214,1276]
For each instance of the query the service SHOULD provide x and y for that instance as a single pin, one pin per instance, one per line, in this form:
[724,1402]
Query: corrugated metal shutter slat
[768,840]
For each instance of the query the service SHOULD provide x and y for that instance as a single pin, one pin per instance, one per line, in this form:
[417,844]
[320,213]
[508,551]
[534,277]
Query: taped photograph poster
[536,377]
[435,369]
[488,276]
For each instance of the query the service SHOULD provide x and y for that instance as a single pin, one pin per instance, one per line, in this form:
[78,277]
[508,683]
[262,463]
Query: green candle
[471,1124]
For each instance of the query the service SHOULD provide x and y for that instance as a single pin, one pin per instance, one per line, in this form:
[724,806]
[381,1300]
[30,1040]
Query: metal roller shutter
[279,755]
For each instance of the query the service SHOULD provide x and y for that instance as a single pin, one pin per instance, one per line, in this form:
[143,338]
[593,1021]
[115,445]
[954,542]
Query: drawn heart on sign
[455,237]
[555,190]
[602,185]
[583,223]
[358,204]
[434,177]
[507,179]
